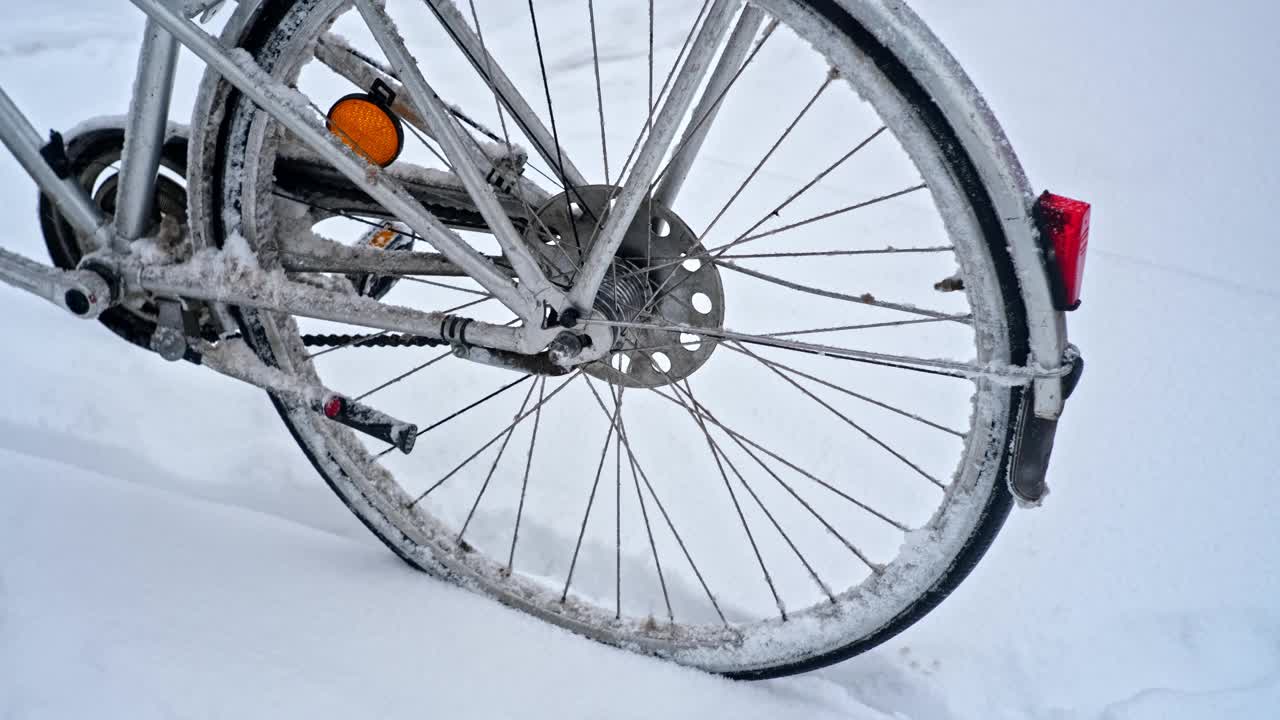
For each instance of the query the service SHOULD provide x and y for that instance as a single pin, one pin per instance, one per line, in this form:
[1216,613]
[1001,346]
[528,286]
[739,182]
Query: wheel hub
[654,279]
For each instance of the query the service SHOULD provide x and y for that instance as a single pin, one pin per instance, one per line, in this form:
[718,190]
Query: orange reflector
[382,238]
[367,126]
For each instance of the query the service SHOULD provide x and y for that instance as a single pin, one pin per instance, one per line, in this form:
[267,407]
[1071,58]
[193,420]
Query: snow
[280,619]
[166,551]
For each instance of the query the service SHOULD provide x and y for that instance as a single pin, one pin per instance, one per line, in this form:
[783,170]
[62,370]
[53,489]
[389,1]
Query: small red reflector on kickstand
[1064,222]
[333,407]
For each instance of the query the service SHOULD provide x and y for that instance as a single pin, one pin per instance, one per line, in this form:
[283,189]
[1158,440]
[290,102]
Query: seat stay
[287,107]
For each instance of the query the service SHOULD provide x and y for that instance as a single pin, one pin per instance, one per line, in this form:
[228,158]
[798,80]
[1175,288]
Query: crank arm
[234,359]
[83,293]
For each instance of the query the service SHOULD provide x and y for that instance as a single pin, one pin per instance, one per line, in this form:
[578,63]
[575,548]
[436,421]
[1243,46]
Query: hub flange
[655,278]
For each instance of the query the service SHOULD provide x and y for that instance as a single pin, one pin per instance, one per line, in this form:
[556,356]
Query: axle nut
[564,348]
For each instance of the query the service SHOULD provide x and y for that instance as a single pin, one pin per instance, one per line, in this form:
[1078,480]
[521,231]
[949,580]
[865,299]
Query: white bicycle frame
[548,312]
[533,297]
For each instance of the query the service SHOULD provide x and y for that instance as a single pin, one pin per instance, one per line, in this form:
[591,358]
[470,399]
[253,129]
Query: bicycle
[269,240]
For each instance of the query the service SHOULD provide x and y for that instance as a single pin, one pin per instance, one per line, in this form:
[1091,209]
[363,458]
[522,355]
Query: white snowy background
[166,551]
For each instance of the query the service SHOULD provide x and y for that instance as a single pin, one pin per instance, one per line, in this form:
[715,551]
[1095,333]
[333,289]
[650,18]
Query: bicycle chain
[374,340]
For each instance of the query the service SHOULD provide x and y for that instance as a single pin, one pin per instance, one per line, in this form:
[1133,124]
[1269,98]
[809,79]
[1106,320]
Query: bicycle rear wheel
[733,500]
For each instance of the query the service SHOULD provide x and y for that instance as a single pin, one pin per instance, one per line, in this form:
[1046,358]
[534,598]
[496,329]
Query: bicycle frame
[108,274]
[530,294]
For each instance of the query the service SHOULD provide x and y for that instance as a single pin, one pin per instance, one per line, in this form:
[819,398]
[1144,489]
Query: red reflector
[332,407]
[1065,223]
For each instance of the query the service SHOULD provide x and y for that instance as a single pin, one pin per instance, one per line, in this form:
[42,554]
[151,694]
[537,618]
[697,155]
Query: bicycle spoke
[466,305]
[742,518]
[874,567]
[447,286]
[473,405]
[772,149]
[739,440]
[863,299]
[493,468]
[528,465]
[839,253]
[551,114]
[648,122]
[363,71]
[652,107]
[667,519]
[809,185]
[866,433]
[849,392]
[457,413]
[967,319]
[739,437]
[546,175]
[518,192]
[658,141]
[737,54]
[488,71]
[649,108]
[714,255]
[654,348]
[813,574]
[450,136]
[521,111]
[331,211]
[422,138]
[673,261]
[617,509]
[423,366]
[398,378]
[833,213]
[595,64]
[931,366]
[586,514]
[493,440]
[644,514]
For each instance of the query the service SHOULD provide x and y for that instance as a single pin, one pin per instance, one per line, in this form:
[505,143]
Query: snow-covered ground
[165,550]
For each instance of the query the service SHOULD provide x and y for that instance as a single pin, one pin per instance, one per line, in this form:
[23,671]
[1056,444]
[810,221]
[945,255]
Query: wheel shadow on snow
[311,507]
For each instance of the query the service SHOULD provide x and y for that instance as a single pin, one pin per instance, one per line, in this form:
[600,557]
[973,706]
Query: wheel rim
[745,645]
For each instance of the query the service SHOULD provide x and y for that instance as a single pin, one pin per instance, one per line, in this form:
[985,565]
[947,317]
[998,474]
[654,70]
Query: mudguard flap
[1033,444]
